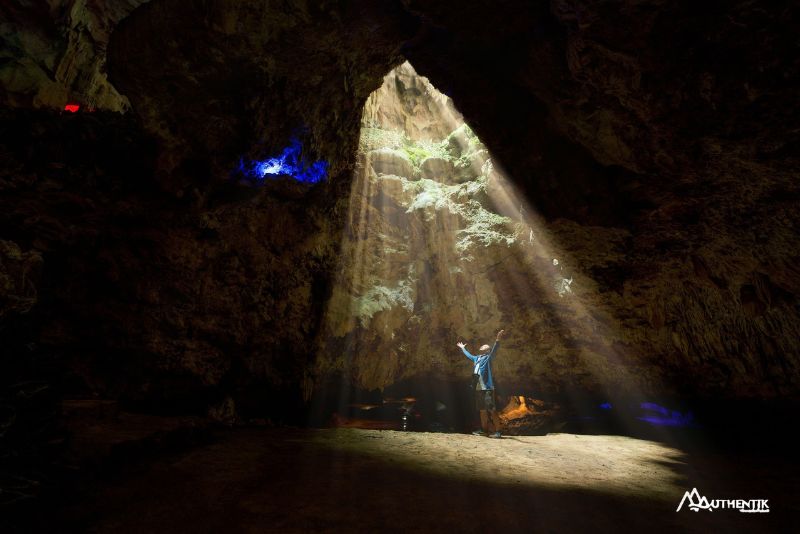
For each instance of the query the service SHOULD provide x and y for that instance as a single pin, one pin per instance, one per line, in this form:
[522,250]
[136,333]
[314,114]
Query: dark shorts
[485,400]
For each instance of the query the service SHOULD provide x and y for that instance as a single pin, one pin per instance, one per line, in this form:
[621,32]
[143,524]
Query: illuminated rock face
[58,51]
[429,259]
[414,242]
[656,142]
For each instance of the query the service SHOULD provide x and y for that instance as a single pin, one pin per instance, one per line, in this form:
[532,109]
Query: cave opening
[197,292]
[440,246]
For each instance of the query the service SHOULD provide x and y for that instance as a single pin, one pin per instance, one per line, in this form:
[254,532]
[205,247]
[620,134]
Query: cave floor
[286,480]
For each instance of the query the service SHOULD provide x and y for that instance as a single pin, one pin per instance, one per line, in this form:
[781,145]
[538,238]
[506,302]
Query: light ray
[493,224]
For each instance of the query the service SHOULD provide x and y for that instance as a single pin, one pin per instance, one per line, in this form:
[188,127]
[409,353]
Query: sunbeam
[432,218]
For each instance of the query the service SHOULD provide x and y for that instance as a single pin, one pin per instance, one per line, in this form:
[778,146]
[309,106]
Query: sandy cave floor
[267,479]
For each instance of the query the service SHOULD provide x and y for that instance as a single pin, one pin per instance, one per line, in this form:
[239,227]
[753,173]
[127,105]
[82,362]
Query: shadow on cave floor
[285,480]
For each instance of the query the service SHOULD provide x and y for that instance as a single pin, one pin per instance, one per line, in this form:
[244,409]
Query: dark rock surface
[125,303]
[528,417]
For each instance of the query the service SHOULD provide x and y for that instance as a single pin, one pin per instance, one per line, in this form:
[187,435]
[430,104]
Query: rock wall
[216,80]
[670,125]
[654,142]
[54,53]
[170,304]
[439,248]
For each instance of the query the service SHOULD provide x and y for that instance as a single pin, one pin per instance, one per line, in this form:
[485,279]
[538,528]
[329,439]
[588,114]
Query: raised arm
[496,346]
[463,348]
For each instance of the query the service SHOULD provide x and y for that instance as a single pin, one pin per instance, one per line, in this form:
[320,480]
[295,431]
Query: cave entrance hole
[438,247]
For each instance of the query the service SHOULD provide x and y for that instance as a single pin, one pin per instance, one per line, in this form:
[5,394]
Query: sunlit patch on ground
[352,480]
[618,464]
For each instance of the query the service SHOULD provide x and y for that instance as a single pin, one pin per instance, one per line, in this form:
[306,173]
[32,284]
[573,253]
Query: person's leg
[492,415]
[485,421]
[493,422]
[479,410]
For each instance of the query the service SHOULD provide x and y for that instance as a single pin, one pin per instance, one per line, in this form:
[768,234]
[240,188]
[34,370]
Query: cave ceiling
[656,140]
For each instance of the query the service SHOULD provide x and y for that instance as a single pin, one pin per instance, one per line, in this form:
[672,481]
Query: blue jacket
[483,365]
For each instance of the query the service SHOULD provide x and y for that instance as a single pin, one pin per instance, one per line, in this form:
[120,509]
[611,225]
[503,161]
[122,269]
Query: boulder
[458,142]
[438,169]
[527,416]
[392,187]
[388,161]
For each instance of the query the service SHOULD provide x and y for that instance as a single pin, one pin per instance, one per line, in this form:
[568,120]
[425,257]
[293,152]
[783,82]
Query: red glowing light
[72,108]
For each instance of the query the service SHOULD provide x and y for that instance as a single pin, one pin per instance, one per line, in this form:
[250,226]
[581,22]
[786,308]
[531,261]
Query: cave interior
[239,242]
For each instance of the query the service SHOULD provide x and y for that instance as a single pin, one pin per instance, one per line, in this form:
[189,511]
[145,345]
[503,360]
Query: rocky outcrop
[437,169]
[391,162]
[156,300]
[19,273]
[218,80]
[408,103]
[527,416]
[428,260]
[54,53]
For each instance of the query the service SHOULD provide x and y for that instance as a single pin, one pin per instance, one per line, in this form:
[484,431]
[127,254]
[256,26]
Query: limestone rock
[438,170]
[19,276]
[217,80]
[527,416]
[224,412]
[393,190]
[407,102]
[391,162]
[458,142]
[56,53]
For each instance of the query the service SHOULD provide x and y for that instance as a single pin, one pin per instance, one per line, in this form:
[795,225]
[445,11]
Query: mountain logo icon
[696,501]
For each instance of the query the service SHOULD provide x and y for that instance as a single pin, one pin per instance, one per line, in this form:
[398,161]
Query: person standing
[485,398]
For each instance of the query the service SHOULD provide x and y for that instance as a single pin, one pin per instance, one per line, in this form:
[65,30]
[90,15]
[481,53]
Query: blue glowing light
[664,416]
[653,407]
[289,163]
[606,406]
